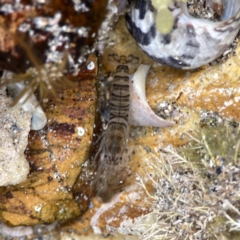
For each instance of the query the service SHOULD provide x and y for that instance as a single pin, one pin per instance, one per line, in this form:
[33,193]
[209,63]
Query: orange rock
[55,154]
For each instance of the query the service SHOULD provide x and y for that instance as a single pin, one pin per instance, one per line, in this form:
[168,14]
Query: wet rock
[55,155]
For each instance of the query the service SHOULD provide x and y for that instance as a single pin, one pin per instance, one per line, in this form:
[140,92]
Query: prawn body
[113,163]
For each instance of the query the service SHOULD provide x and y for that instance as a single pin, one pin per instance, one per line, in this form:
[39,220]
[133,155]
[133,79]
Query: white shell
[192,42]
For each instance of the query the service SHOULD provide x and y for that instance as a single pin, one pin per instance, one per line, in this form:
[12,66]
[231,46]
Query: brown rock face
[55,155]
[48,28]
[57,152]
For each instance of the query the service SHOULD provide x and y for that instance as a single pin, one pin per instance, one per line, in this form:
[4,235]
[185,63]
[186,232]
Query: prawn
[113,162]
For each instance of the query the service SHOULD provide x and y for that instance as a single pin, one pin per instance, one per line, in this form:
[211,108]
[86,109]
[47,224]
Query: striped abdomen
[117,132]
[113,164]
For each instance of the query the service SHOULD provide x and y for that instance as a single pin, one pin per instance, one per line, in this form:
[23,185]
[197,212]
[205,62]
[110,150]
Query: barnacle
[46,78]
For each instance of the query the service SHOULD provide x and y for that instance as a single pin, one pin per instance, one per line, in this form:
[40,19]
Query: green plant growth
[197,187]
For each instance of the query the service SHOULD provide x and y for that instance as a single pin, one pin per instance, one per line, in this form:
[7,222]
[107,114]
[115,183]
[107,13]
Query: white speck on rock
[236,99]
[228,103]
[38,208]
[96,230]
[153,82]
[91,66]
[80,131]
[216,76]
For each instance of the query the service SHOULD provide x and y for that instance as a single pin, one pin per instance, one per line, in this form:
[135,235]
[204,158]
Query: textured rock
[55,155]
[48,28]
[14,129]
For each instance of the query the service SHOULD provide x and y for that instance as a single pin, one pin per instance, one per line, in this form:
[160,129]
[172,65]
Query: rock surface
[180,95]
[48,28]
[14,130]
[55,155]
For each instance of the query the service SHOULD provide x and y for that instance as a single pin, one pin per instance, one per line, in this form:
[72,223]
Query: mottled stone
[212,87]
[14,130]
[55,155]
